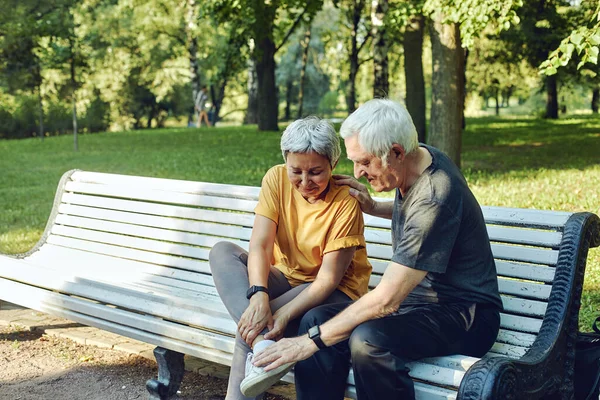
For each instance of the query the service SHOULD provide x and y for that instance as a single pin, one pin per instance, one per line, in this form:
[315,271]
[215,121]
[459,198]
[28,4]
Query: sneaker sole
[260,384]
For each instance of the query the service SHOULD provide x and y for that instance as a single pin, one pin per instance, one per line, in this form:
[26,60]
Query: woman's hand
[256,317]
[358,191]
[280,321]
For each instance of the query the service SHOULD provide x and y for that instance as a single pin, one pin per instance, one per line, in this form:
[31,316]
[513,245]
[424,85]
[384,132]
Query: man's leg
[323,376]
[382,348]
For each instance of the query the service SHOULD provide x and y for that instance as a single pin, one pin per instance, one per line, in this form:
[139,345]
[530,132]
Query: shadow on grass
[501,145]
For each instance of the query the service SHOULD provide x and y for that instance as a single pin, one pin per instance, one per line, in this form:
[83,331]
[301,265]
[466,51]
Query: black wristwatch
[252,290]
[314,333]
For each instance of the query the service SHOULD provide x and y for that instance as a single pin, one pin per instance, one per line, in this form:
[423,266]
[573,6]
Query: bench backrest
[173,224]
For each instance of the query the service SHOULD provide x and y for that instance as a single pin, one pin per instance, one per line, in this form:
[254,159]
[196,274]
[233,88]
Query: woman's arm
[258,314]
[328,278]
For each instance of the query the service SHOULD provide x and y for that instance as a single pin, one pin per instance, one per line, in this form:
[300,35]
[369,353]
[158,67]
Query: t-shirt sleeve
[268,199]
[428,237]
[347,229]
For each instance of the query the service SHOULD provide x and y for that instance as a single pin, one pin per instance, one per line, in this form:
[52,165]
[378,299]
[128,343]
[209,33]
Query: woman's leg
[228,263]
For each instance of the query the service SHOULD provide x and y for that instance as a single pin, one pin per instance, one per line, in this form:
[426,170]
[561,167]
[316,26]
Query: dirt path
[34,366]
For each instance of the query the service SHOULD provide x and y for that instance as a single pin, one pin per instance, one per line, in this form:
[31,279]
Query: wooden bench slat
[525,271]
[176,224]
[520,236]
[524,289]
[149,257]
[519,323]
[508,269]
[502,251]
[515,338]
[502,234]
[162,197]
[165,210]
[168,185]
[109,269]
[200,314]
[550,220]
[143,232]
[132,242]
[525,217]
[506,286]
[510,351]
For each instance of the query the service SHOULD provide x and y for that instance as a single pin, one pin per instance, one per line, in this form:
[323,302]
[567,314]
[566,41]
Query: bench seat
[129,255]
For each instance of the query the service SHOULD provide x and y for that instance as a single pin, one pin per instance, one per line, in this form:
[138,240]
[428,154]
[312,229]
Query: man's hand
[255,318]
[285,351]
[358,191]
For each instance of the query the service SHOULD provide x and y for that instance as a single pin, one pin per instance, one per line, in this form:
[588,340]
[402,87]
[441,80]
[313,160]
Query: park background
[108,85]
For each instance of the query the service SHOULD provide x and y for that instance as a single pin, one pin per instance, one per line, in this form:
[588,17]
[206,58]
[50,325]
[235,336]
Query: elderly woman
[307,248]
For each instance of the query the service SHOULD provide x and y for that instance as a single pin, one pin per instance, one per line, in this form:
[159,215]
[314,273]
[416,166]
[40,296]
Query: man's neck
[416,163]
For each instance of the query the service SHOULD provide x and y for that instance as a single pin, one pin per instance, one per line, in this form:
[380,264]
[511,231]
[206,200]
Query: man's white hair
[379,123]
[311,134]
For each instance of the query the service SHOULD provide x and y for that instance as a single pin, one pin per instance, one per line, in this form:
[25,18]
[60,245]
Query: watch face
[314,331]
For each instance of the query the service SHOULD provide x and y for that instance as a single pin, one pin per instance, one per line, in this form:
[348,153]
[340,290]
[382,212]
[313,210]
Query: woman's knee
[221,253]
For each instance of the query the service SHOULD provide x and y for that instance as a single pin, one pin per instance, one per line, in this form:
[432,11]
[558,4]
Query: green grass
[516,162]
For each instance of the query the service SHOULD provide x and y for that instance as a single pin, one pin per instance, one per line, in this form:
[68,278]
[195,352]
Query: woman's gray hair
[311,134]
[379,123]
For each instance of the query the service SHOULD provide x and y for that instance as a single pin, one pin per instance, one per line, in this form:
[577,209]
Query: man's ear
[398,151]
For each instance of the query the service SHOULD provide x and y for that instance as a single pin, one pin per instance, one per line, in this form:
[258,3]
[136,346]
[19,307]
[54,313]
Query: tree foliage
[583,41]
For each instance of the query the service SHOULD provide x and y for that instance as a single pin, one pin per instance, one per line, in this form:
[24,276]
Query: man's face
[368,165]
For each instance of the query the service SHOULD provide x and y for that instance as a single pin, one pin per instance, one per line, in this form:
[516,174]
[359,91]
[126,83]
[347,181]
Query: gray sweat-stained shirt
[439,227]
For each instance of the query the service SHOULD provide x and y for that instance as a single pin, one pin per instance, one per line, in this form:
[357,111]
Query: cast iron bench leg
[170,373]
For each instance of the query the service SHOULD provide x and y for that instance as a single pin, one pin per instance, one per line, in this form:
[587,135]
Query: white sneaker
[257,381]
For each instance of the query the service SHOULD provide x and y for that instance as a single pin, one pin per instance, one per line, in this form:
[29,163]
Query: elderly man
[439,293]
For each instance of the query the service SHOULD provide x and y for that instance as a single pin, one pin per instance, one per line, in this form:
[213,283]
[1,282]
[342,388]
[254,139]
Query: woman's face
[309,173]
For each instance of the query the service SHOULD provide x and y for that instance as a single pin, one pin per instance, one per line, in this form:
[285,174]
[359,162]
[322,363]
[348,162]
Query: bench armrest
[548,365]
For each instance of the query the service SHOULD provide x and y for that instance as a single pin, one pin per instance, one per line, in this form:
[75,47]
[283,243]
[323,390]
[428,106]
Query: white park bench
[129,255]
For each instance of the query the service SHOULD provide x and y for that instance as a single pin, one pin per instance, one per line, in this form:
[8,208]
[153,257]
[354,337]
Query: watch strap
[252,290]
[314,333]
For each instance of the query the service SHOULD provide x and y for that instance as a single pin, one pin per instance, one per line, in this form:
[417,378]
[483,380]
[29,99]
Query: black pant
[381,348]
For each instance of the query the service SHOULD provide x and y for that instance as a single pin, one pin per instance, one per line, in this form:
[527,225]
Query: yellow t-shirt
[306,232]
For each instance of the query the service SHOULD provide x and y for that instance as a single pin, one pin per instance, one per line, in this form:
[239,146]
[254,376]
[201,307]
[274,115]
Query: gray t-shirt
[439,227]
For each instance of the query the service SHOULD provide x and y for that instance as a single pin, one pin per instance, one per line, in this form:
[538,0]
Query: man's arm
[397,282]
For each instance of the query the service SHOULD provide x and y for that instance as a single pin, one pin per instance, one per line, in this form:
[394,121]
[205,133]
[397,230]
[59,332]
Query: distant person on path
[439,293]
[307,248]
[201,99]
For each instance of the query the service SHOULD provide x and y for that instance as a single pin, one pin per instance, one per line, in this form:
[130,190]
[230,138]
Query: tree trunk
[551,97]
[192,45]
[413,72]
[40,111]
[264,56]
[497,97]
[305,43]
[251,116]
[355,15]
[267,92]
[447,88]
[74,94]
[595,99]
[381,86]
[288,100]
